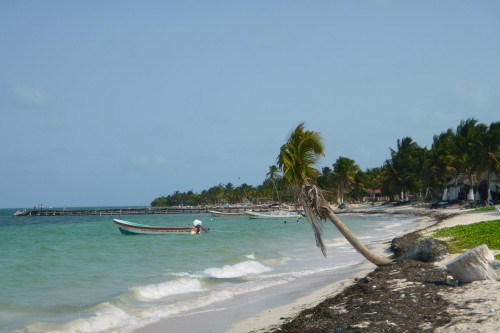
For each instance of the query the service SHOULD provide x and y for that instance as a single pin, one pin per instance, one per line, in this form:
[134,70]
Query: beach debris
[451,281]
[363,324]
[473,265]
[427,250]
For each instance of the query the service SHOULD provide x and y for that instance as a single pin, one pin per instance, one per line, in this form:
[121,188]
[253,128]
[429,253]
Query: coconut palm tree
[488,149]
[272,175]
[344,173]
[405,166]
[469,143]
[296,160]
[492,151]
[440,162]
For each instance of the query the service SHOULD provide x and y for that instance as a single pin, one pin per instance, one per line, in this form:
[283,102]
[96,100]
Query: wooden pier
[134,211]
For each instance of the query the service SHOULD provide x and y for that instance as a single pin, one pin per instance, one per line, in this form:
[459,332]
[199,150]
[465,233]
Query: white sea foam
[250,256]
[389,226]
[162,290]
[212,297]
[106,317]
[292,275]
[336,242]
[241,269]
[365,237]
[277,261]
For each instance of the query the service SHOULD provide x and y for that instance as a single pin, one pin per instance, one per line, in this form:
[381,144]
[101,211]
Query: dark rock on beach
[400,245]
[427,249]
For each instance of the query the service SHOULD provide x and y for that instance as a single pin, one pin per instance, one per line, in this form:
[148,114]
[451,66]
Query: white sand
[276,316]
[466,217]
[475,306]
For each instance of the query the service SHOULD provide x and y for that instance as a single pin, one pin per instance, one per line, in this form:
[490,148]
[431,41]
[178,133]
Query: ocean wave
[336,242]
[390,226]
[105,316]
[165,289]
[241,269]
[277,261]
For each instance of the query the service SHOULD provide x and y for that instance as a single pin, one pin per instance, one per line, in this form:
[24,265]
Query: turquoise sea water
[80,274]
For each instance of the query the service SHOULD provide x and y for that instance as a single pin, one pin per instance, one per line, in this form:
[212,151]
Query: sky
[116,103]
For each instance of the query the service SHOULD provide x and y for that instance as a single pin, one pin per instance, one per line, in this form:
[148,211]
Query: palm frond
[312,199]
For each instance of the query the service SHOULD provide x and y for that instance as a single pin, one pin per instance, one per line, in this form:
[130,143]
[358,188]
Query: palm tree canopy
[299,154]
[345,171]
[272,175]
[273,172]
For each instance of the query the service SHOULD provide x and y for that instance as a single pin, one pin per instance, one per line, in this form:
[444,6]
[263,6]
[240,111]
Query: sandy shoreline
[280,301]
[276,314]
[475,306]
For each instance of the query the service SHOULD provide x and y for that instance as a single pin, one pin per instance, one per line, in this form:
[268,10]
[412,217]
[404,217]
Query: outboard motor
[199,227]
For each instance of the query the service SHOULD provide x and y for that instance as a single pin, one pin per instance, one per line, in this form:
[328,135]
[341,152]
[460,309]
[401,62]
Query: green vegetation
[411,172]
[484,209]
[464,237]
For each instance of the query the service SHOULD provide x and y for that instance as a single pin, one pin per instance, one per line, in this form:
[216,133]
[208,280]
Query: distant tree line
[411,171]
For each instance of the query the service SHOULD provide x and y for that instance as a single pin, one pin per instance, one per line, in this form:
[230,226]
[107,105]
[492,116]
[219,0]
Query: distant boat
[218,213]
[132,228]
[278,214]
[23,212]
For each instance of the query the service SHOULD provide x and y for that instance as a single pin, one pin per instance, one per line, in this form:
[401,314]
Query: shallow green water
[79,273]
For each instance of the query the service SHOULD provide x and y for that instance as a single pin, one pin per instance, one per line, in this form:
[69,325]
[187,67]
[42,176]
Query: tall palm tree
[468,139]
[405,166]
[344,172]
[296,160]
[492,150]
[488,148]
[271,175]
[374,179]
[440,161]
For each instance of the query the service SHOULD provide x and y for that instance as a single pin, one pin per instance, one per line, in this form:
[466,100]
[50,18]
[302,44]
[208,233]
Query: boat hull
[131,228]
[217,213]
[274,215]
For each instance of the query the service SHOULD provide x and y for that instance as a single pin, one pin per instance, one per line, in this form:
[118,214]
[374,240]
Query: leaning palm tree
[296,160]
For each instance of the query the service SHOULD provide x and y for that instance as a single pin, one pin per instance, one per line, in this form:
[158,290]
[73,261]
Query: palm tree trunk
[276,189]
[354,241]
[316,207]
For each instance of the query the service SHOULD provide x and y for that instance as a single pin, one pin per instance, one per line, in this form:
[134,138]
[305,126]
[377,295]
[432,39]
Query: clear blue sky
[120,102]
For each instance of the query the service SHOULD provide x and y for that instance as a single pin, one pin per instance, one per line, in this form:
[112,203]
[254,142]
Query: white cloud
[30,96]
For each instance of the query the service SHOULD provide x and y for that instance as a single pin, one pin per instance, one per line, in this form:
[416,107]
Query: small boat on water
[277,214]
[23,212]
[218,213]
[132,228]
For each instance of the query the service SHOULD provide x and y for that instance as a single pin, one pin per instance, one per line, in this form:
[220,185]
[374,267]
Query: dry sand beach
[411,296]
